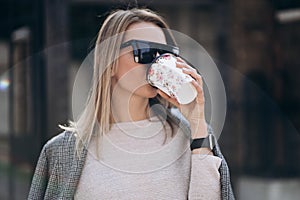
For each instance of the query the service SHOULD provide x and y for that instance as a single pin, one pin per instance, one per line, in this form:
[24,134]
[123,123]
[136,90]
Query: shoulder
[64,138]
[60,143]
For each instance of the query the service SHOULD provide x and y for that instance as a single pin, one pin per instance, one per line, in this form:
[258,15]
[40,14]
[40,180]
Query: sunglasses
[144,52]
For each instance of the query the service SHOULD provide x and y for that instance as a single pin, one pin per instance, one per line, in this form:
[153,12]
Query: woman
[81,163]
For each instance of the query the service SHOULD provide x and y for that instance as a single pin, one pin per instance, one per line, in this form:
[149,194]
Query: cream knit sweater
[133,163]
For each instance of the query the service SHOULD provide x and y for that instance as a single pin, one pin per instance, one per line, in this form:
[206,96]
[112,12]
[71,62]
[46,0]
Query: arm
[194,113]
[226,189]
[219,163]
[214,170]
[211,168]
[40,177]
[205,177]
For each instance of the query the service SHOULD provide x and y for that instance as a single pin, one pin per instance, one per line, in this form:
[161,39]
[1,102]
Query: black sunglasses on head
[145,52]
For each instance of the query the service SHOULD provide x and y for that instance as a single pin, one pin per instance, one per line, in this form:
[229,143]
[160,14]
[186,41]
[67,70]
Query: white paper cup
[164,75]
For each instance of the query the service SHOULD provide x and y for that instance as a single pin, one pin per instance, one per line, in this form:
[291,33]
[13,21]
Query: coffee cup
[164,75]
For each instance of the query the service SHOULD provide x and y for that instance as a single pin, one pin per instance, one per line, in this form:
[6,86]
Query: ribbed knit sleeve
[205,177]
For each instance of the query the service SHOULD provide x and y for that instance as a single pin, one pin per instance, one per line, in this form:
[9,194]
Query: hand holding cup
[194,110]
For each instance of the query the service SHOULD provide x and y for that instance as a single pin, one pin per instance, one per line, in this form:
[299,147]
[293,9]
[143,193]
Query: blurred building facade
[255,45]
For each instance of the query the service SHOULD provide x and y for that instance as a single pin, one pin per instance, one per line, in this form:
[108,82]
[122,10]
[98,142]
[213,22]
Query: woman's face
[131,76]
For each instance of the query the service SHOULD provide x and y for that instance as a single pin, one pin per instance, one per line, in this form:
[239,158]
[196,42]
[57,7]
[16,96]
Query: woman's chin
[146,91]
[152,92]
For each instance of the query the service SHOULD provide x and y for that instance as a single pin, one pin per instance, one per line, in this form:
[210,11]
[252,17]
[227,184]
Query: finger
[200,93]
[194,75]
[187,65]
[179,59]
[197,86]
[168,98]
[183,65]
[189,70]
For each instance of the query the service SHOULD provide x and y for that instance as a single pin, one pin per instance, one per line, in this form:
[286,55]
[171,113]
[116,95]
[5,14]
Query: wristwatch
[208,142]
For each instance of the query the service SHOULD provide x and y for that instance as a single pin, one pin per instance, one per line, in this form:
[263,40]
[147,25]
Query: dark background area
[255,45]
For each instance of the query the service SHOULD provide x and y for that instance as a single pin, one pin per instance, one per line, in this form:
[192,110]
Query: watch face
[208,142]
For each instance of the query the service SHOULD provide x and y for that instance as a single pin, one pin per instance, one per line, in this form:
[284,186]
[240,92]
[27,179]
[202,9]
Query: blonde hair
[97,111]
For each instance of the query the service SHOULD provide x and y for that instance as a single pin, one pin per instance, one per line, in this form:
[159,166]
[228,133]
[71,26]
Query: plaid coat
[58,169]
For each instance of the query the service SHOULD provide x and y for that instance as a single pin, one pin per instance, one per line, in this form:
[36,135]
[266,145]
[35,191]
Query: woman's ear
[113,71]
[112,74]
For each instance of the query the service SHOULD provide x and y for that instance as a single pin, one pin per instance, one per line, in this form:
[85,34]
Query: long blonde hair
[97,112]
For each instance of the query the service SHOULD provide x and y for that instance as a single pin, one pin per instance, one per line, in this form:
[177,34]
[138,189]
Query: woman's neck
[127,107]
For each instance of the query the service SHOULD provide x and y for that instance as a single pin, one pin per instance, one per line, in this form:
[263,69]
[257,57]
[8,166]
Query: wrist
[203,145]
[199,129]
[204,150]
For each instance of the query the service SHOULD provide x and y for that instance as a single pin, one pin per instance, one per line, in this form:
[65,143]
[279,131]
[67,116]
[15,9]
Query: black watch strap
[208,142]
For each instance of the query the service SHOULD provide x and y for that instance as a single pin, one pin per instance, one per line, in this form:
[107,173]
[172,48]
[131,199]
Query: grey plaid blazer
[58,169]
